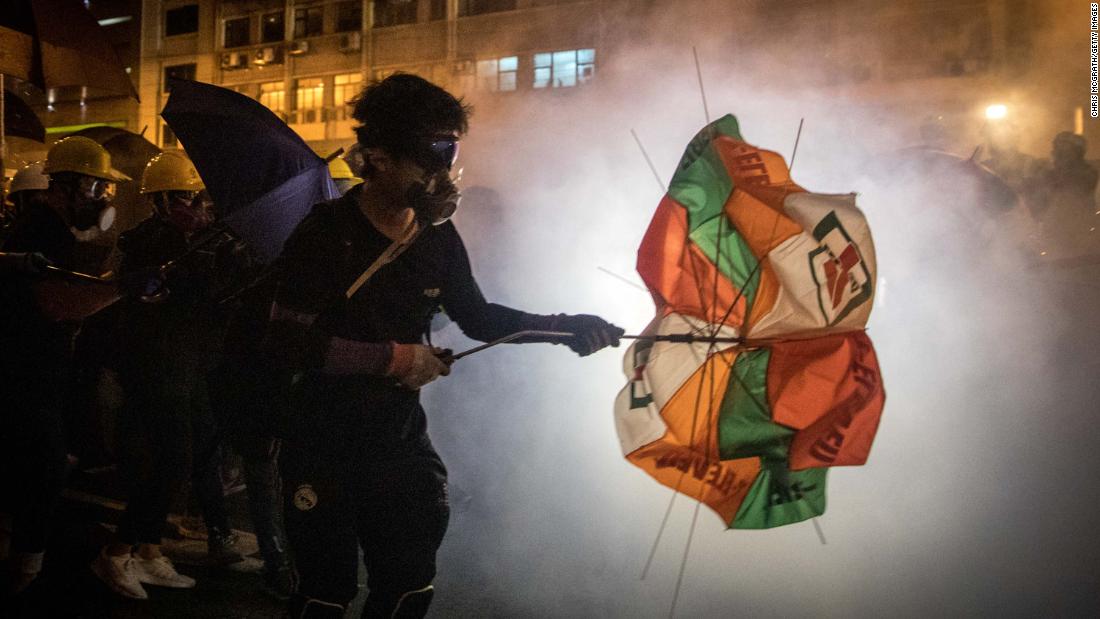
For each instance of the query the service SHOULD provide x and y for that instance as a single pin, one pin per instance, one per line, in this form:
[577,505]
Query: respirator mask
[436,200]
[92,214]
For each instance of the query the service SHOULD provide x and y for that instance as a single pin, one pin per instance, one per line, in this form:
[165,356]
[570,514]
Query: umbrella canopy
[20,120]
[737,249]
[262,176]
[57,43]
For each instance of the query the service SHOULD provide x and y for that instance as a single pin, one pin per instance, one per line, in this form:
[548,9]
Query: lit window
[273,28]
[309,99]
[182,20]
[497,74]
[273,97]
[564,69]
[344,87]
[236,32]
[178,71]
[307,22]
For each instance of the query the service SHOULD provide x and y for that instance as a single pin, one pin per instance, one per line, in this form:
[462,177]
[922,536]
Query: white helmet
[30,177]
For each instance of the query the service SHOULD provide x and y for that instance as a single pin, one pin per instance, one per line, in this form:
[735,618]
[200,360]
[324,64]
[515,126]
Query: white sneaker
[120,574]
[160,571]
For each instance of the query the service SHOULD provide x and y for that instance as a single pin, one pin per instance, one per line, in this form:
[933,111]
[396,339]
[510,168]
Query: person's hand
[590,333]
[416,365]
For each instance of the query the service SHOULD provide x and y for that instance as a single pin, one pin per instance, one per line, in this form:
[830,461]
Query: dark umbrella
[129,153]
[20,120]
[262,176]
[57,43]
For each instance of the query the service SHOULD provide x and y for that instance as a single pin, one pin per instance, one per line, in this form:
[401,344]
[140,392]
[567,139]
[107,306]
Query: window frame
[225,31]
[303,14]
[181,7]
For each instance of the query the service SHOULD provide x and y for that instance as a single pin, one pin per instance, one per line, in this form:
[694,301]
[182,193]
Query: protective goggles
[98,189]
[440,151]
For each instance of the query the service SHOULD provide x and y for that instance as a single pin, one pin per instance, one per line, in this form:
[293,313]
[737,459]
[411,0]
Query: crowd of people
[309,368]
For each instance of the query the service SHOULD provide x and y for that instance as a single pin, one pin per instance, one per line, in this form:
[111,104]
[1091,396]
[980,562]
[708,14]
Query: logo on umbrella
[843,282]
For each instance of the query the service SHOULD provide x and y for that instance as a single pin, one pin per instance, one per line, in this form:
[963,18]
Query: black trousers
[171,435]
[396,510]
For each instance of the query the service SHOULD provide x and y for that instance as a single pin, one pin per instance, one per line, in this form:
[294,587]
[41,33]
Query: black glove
[590,333]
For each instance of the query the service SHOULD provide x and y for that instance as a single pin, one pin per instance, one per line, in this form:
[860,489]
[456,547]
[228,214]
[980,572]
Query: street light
[997,111]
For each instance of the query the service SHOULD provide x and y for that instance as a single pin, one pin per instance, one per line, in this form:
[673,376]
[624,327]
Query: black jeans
[172,414]
[396,510]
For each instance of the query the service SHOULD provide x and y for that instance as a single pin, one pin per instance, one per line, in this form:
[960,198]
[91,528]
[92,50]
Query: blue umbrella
[261,174]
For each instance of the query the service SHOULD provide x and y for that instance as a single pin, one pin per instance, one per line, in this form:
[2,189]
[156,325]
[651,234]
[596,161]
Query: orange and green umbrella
[756,374]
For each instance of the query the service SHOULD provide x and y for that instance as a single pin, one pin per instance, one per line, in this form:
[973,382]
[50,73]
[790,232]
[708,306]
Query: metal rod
[699,74]
[623,279]
[661,530]
[684,560]
[653,168]
[796,139]
[85,277]
[685,338]
[508,338]
[820,533]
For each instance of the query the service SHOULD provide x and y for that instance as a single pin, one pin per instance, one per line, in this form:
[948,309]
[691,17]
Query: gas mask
[90,211]
[187,211]
[437,200]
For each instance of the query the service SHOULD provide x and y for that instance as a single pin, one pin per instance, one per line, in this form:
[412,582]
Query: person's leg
[262,480]
[163,417]
[322,538]
[39,466]
[401,529]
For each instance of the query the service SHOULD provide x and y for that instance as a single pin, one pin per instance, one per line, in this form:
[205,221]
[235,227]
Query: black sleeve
[464,303]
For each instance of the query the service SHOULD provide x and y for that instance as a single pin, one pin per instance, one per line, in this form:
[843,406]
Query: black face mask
[435,201]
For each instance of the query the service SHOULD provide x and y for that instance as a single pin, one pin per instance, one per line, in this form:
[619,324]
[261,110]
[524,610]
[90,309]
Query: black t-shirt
[328,251]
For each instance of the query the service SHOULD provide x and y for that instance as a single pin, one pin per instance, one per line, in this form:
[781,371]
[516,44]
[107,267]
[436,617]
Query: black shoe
[279,582]
[221,547]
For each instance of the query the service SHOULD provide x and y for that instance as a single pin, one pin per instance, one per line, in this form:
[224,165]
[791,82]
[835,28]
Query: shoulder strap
[396,248]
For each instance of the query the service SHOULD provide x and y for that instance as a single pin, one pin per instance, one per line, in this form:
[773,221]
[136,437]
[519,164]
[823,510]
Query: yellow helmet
[170,171]
[340,170]
[81,155]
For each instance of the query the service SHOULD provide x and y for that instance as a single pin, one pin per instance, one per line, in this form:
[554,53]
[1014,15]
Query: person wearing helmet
[30,186]
[342,175]
[359,280]
[36,362]
[176,265]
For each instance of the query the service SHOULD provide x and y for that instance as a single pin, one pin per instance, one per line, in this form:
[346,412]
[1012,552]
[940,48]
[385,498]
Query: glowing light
[996,111]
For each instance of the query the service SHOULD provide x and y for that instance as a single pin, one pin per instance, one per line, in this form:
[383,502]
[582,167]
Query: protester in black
[361,470]
[177,266]
[36,348]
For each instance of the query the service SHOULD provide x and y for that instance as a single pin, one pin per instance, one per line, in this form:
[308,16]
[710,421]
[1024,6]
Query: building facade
[305,59]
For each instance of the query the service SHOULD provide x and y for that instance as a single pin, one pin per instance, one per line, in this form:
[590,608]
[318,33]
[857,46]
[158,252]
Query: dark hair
[396,111]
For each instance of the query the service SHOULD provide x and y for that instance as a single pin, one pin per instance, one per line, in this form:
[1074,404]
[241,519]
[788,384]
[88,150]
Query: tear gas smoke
[978,497]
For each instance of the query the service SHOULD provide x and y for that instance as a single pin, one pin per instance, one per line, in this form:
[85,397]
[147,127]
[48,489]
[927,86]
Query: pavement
[67,588]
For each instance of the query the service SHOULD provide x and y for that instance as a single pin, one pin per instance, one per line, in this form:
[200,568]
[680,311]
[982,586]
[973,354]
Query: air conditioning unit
[297,48]
[234,60]
[464,67]
[267,55]
[351,42]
